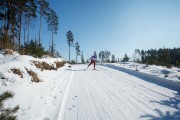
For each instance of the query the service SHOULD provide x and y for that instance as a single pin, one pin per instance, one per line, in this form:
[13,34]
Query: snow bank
[28,95]
[159,71]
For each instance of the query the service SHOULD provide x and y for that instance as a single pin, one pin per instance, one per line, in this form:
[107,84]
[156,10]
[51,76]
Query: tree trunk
[25,31]
[4,20]
[19,44]
[3,25]
[13,41]
[6,37]
[28,29]
[7,27]
[76,58]
[52,44]
[40,28]
[69,52]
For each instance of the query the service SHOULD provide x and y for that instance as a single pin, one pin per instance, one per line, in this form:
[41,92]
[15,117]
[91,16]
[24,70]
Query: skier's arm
[90,58]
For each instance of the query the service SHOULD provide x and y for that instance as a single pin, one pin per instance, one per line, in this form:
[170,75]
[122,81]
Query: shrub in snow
[33,75]
[60,64]
[18,72]
[42,65]
[46,66]
[73,62]
[7,113]
[33,48]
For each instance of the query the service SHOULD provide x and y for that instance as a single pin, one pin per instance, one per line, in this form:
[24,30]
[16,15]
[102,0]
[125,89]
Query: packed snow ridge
[119,91]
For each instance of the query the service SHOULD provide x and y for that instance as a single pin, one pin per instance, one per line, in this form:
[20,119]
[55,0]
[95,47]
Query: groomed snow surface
[111,92]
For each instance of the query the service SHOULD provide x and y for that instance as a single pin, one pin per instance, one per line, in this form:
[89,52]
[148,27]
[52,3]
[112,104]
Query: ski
[90,69]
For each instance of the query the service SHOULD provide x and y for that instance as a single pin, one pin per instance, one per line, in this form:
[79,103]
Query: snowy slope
[34,99]
[74,94]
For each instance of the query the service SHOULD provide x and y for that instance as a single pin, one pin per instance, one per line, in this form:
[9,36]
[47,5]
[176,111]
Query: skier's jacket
[94,57]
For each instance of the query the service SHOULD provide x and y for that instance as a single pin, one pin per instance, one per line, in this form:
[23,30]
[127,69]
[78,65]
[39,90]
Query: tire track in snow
[62,109]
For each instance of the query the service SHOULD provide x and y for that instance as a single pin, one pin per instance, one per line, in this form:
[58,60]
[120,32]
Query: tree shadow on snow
[172,102]
[149,78]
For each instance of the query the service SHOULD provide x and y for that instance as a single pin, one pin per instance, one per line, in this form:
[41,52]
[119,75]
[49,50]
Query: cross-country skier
[93,60]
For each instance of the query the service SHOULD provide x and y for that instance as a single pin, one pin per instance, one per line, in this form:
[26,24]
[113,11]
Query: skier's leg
[90,63]
[94,64]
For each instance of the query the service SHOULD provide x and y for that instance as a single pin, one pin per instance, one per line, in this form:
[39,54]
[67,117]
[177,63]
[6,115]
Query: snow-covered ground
[108,93]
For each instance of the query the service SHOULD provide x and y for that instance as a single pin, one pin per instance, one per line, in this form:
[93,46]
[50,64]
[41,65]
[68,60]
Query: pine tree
[43,12]
[7,113]
[70,40]
[8,11]
[126,58]
[101,56]
[107,54]
[113,58]
[52,21]
[34,49]
[82,58]
[77,48]
[30,12]
[162,56]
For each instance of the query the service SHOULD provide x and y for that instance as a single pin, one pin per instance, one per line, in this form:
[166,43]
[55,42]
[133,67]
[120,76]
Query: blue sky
[119,26]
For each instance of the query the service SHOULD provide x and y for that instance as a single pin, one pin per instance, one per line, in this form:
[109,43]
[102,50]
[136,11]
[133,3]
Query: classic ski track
[140,97]
[124,77]
[109,96]
[128,83]
[114,98]
[62,108]
[92,102]
[102,103]
[93,92]
[112,101]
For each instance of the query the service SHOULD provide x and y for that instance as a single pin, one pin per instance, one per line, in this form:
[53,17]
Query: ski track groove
[85,116]
[112,93]
[91,102]
[110,96]
[102,101]
[62,108]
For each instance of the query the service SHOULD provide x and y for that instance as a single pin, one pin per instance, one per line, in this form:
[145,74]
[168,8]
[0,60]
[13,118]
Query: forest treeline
[16,17]
[163,56]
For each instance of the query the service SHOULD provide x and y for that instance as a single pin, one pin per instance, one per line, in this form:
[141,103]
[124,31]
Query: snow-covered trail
[108,94]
